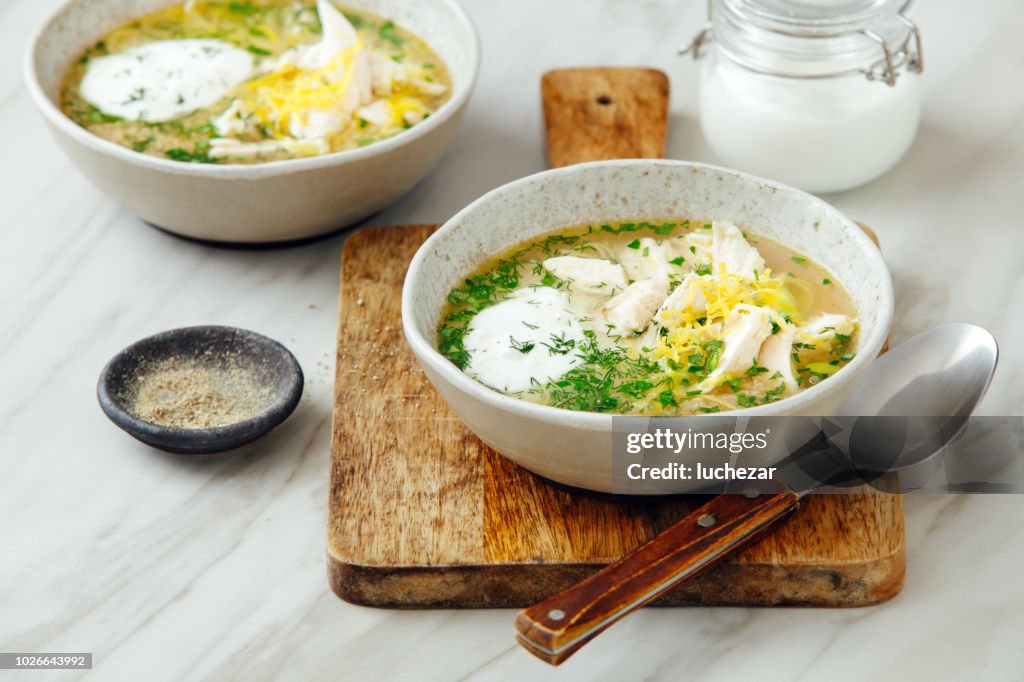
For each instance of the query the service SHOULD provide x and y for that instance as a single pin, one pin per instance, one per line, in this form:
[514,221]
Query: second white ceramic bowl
[575,448]
[269,202]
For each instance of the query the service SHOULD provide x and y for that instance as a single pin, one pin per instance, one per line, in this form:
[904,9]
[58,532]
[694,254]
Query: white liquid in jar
[821,135]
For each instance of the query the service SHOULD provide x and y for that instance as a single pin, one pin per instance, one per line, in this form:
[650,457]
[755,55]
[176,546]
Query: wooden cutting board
[422,514]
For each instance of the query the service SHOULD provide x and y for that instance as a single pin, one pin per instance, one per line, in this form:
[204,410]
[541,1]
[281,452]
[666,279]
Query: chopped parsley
[200,155]
[136,95]
[523,347]
[668,399]
[602,378]
[389,32]
[560,345]
[635,389]
[476,293]
[775,394]
[354,19]
[140,145]
[756,369]
[243,8]
[744,400]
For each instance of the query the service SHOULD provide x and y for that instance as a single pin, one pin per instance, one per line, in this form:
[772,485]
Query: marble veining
[212,568]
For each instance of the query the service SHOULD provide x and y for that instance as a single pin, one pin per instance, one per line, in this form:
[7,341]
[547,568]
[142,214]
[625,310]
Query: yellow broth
[267,29]
[645,372]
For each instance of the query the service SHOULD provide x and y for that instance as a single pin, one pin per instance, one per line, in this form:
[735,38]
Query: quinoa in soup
[650,318]
[254,81]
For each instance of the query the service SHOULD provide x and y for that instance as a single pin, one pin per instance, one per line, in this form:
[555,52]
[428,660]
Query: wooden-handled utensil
[958,355]
[556,628]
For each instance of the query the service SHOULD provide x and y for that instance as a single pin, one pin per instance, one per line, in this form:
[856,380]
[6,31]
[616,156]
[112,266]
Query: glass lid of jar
[814,38]
[827,14]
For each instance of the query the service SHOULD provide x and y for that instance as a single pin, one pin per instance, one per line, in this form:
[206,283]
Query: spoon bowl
[914,403]
[944,371]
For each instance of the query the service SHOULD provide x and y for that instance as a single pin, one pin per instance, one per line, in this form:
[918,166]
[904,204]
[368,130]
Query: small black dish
[265,360]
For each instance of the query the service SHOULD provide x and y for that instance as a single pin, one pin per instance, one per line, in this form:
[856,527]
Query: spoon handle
[556,628]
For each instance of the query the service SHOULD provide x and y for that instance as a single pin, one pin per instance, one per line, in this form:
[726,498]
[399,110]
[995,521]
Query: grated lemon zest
[723,292]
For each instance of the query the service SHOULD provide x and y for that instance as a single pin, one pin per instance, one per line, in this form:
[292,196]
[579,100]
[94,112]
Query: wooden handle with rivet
[556,628]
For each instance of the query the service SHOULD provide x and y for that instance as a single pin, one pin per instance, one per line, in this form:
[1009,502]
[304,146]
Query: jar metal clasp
[909,55]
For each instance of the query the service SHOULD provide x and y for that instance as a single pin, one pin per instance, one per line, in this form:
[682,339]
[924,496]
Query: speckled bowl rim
[869,348]
[213,439]
[56,117]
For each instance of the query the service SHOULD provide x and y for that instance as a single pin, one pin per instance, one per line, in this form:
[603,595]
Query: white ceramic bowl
[575,448]
[270,202]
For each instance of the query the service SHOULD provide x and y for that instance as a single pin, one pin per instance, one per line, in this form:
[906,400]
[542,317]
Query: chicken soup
[254,81]
[650,318]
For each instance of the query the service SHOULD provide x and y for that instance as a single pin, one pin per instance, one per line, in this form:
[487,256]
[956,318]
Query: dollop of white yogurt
[530,337]
[165,79]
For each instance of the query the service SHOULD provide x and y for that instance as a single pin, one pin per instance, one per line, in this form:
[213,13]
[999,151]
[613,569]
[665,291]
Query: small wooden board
[422,514]
[605,113]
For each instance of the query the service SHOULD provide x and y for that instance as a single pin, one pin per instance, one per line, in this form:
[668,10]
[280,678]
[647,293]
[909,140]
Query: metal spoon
[941,374]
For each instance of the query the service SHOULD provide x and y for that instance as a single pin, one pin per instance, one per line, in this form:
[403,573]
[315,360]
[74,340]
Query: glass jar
[819,94]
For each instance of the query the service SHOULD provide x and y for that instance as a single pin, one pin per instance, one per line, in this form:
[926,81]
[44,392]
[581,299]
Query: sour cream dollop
[166,79]
[529,337]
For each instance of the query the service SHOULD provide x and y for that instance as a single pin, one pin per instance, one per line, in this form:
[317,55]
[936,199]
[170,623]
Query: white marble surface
[172,568]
